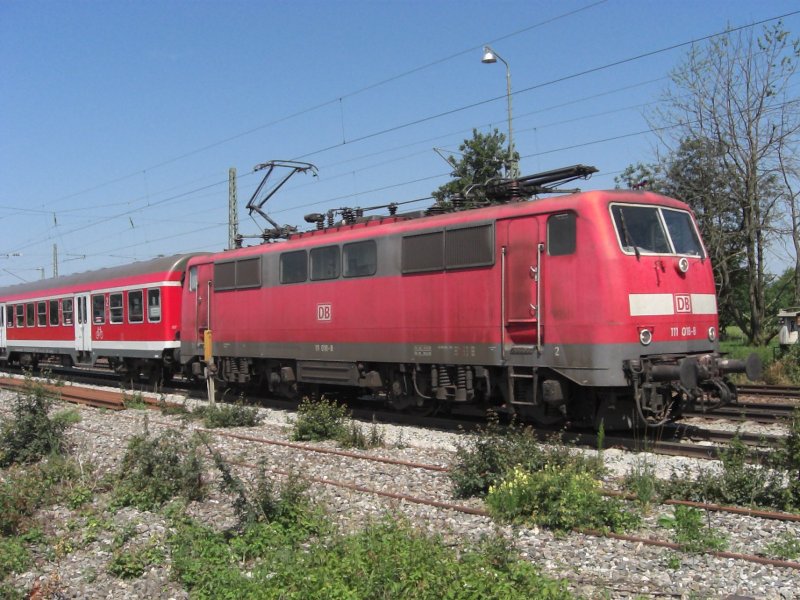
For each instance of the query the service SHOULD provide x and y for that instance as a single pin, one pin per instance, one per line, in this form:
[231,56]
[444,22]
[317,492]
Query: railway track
[749,411]
[784,391]
[414,498]
[674,440]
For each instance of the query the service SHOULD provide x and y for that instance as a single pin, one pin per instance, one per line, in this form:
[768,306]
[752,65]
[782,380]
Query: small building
[789,326]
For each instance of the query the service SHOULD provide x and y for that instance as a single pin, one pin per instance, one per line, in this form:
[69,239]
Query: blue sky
[119,120]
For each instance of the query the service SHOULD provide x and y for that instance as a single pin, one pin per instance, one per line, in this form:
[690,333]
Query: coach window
[30,315]
[325,263]
[154,305]
[9,316]
[294,267]
[135,308]
[66,311]
[115,308]
[360,259]
[54,312]
[98,309]
[41,314]
[20,315]
[561,235]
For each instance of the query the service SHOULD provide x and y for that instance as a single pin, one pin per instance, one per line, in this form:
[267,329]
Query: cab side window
[561,234]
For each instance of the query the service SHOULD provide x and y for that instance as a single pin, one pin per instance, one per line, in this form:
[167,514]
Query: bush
[228,415]
[157,469]
[14,556]
[319,420]
[562,498]
[31,433]
[490,454]
[786,369]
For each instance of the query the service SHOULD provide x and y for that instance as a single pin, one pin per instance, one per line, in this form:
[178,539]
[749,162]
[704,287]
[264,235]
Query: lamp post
[490,57]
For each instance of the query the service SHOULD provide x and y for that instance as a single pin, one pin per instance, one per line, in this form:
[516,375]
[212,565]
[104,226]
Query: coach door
[3,341]
[521,266]
[83,325]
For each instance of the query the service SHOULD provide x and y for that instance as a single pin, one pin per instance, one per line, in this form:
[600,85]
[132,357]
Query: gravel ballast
[594,566]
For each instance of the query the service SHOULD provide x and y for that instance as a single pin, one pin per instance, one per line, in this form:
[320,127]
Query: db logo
[683,303]
[324,312]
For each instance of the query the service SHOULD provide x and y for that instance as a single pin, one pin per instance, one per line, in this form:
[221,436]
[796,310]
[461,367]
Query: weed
[134,401]
[319,420]
[562,498]
[22,492]
[156,469]
[737,482]
[265,502]
[168,409]
[785,370]
[490,454]
[14,556]
[642,481]
[388,560]
[786,547]
[127,533]
[32,433]
[228,415]
[691,532]
[354,436]
[132,563]
[787,459]
[78,496]
[674,561]
[9,592]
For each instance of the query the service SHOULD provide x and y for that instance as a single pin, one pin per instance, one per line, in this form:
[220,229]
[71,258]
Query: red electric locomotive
[128,315]
[586,308]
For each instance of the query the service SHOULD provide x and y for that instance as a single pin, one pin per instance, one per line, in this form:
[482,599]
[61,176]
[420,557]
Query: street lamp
[490,57]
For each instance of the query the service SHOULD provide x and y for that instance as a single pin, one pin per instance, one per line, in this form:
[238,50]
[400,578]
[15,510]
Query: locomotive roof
[377,226]
[162,264]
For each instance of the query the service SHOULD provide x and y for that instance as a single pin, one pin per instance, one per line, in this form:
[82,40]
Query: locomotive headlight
[683,264]
[712,334]
[645,337]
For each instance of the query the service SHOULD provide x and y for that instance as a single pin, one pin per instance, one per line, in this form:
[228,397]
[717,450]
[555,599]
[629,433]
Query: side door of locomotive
[204,289]
[83,325]
[521,258]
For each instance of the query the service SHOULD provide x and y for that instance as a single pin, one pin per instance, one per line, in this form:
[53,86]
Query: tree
[482,158]
[734,96]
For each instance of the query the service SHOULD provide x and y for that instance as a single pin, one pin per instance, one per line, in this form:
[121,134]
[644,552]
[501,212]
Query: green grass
[387,560]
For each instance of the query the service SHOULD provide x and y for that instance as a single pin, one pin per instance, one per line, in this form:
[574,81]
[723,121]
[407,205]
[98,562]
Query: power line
[317,106]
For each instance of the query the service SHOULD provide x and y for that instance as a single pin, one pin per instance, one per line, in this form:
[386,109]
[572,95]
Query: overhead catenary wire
[194,191]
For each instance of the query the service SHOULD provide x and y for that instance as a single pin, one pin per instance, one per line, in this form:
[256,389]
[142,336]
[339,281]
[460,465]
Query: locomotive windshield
[655,230]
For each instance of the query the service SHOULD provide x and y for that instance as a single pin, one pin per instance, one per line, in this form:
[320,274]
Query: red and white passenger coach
[129,315]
